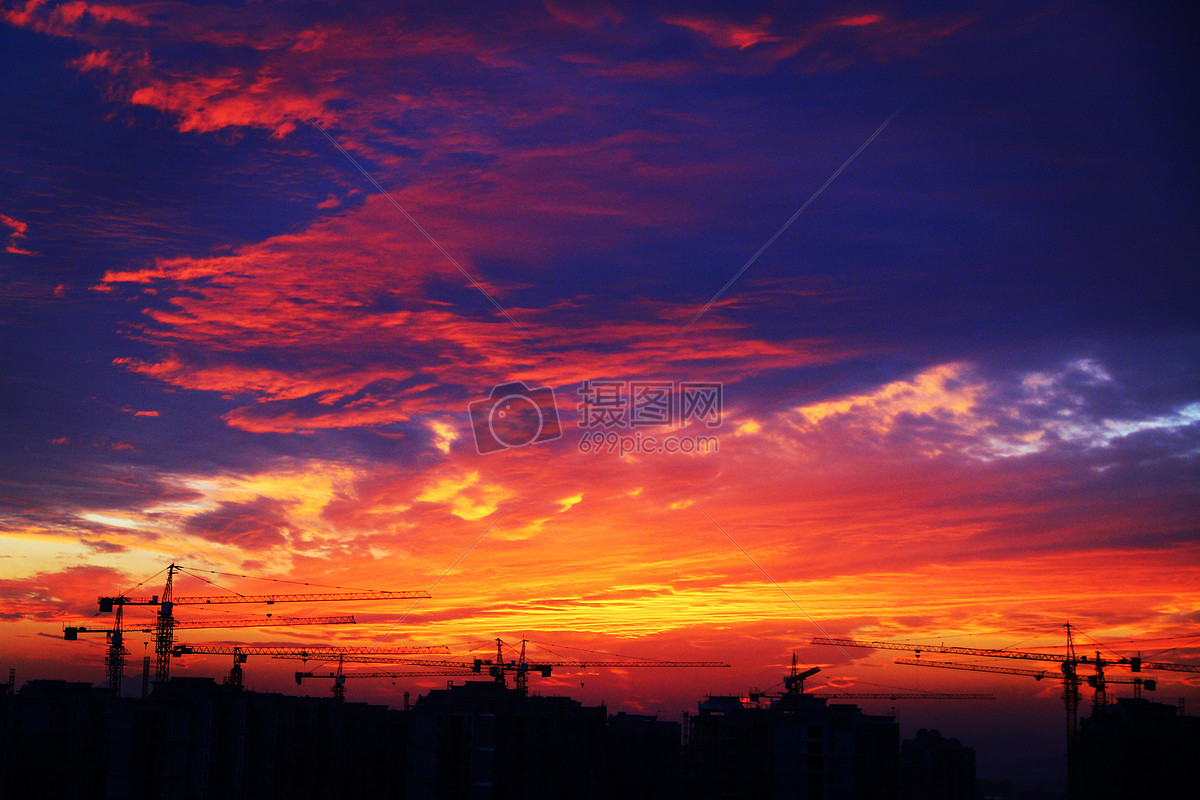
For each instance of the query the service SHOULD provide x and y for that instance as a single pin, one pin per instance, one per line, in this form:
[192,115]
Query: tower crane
[1094,681]
[339,677]
[241,652]
[794,685]
[1068,667]
[114,658]
[519,668]
[499,669]
[115,652]
[165,623]
[794,680]
[1068,664]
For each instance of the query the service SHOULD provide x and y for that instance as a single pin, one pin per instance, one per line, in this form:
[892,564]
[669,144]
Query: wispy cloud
[17,231]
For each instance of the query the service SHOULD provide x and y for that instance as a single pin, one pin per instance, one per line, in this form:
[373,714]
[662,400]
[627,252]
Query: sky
[868,319]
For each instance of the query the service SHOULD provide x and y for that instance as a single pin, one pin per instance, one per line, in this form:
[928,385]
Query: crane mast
[1071,687]
[114,660]
[164,630]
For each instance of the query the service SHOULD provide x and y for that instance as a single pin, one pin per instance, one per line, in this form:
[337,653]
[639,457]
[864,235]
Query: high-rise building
[483,741]
[1136,748]
[799,747]
[193,739]
[933,767]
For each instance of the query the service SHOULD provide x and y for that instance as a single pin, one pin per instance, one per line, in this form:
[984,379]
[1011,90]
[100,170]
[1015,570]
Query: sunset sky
[260,259]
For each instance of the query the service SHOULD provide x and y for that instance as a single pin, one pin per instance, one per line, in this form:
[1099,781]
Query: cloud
[956,407]
[584,15]
[465,495]
[336,327]
[727,33]
[253,525]
[943,391]
[828,43]
[104,546]
[17,231]
[54,596]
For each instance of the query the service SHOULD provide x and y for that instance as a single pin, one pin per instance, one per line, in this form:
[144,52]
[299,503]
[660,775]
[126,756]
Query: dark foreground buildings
[799,747]
[481,740]
[933,767]
[1136,748]
[192,739]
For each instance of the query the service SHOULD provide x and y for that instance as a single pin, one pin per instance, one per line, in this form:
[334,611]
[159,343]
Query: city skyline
[911,289]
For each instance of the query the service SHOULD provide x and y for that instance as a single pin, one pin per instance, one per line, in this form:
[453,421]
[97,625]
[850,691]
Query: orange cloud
[902,543]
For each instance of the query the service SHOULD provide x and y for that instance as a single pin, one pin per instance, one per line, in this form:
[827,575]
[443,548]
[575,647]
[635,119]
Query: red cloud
[343,333]
[584,15]
[725,33]
[766,42]
[18,230]
[230,99]
[52,596]
[862,19]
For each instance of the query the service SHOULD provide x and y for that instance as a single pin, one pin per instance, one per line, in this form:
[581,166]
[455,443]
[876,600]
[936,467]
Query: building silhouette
[933,767]
[481,740]
[643,757]
[799,747]
[55,740]
[1136,748]
[192,739]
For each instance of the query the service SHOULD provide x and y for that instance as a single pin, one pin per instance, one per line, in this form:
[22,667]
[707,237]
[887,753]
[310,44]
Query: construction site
[487,735]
